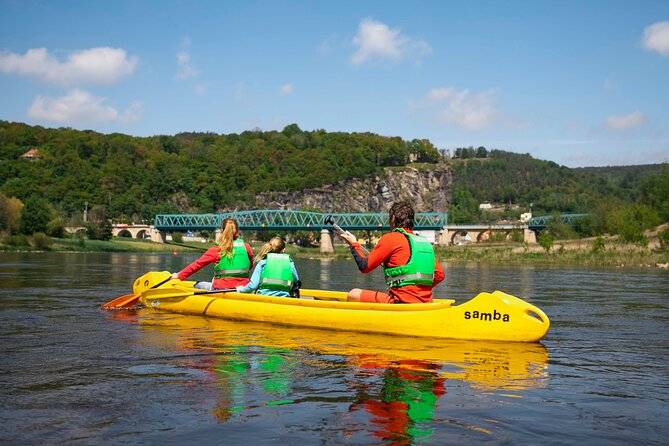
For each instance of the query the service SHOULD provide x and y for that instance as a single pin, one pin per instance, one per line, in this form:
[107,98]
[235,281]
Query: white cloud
[239,95]
[201,88]
[466,110]
[287,89]
[625,122]
[377,40]
[327,45]
[609,85]
[81,107]
[185,69]
[102,66]
[656,38]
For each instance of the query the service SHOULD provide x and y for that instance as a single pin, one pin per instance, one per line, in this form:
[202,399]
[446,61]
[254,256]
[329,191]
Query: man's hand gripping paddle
[330,221]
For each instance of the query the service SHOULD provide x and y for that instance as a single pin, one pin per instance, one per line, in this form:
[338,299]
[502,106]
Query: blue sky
[581,83]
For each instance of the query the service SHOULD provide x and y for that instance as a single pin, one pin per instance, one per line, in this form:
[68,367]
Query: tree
[655,192]
[10,212]
[35,216]
[546,240]
[99,228]
[56,227]
[630,222]
[464,208]
[664,238]
[291,129]
[481,152]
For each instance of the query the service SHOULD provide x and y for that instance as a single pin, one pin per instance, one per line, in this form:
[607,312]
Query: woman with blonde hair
[275,273]
[232,258]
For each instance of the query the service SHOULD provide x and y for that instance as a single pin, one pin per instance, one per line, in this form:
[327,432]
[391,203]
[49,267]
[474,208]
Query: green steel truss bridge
[290,221]
[301,220]
[539,223]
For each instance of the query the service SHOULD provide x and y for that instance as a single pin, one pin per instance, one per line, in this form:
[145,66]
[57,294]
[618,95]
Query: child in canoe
[275,273]
[232,258]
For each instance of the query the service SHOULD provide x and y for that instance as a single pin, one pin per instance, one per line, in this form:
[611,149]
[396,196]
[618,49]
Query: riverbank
[612,254]
[585,252]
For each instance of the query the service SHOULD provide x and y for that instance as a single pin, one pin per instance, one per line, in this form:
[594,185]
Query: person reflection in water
[406,400]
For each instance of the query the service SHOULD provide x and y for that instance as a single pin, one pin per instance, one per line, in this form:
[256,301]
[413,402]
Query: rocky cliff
[427,190]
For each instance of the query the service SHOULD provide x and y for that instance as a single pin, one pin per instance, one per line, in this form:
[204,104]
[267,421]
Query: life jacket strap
[288,283]
[394,281]
[227,272]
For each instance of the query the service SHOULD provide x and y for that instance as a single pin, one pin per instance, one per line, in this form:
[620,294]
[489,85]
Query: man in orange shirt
[409,263]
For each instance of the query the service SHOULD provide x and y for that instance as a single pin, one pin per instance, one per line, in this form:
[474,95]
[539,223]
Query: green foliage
[41,240]
[598,245]
[188,172]
[56,227]
[654,191]
[517,236]
[305,238]
[586,226]
[10,212]
[35,215]
[133,178]
[424,151]
[464,208]
[470,152]
[630,222]
[16,240]
[101,230]
[664,238]
[546,240]
[177,237]
[560,230]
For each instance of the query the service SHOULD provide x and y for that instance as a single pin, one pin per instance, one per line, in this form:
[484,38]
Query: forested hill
[134,178]
[188,172]
[546,187]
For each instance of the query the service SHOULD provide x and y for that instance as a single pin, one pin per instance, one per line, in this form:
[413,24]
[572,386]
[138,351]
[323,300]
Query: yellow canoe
[488,316]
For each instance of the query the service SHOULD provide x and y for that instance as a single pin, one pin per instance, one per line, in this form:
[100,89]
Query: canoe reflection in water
[395,381]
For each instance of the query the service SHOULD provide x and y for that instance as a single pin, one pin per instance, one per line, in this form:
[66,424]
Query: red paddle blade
[125,301]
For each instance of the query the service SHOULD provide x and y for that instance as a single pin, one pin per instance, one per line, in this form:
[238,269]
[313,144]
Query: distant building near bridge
[31,155]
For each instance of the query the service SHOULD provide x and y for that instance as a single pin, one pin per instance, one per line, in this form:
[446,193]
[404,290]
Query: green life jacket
[236,266]
[420,268]
[277,274]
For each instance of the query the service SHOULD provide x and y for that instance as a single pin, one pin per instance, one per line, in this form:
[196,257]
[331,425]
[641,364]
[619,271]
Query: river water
[71,373]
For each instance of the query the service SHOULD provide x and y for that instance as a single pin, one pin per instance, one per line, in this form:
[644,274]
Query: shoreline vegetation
[600,251]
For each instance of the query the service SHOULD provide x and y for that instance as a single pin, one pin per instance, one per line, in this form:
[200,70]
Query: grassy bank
[117,244]
[574,252]
[618,255]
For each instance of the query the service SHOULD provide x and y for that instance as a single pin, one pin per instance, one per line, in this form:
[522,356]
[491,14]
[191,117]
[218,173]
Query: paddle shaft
[329,220]
[180,293]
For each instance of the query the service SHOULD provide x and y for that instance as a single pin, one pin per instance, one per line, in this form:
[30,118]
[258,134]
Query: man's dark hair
[401,215]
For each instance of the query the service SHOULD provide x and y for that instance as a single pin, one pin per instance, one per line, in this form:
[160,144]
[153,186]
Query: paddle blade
[123,302]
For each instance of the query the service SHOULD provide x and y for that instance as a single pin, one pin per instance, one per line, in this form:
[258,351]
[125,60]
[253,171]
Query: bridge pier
[158,236]
[442,238]
[326,242]
[529,235]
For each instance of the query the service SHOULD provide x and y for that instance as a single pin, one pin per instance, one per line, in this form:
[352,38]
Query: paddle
[130,300]
[330,221]
[182,293]
[325,294]
[178,292]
